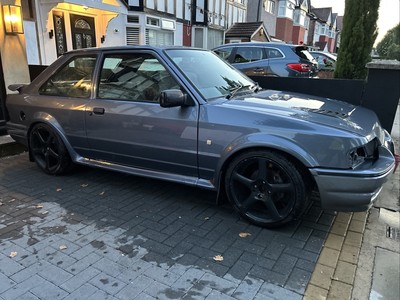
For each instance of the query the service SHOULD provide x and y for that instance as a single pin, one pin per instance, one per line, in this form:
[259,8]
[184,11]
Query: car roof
[136,47]
[276,44]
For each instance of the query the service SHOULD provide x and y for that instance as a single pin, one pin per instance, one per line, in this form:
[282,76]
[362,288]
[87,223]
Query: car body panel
[195,143]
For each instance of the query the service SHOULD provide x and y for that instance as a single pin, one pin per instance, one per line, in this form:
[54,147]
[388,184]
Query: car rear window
[303,53]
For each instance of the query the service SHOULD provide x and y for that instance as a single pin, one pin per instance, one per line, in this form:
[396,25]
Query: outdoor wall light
[12,16]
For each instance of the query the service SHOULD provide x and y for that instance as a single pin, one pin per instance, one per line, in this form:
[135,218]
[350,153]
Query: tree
[390,40]
[357,38]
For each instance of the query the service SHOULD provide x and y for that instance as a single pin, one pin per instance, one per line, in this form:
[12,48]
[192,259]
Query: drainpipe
[258,11]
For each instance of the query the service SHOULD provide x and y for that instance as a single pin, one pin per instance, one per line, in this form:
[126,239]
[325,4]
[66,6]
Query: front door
[125,123]
[83,32]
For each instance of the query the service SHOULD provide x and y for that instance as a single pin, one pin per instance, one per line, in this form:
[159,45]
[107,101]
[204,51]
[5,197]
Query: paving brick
[79,279]
[303,254]
[132,290]
[334,241]
[47,290]
[357,226]
[247,289]
[343,217]
[340,291]
[285,264]
[349,254]
[322,276]
[28,296]
[353,239]
[187,280]
[276,292]
[162,291]
[345,272]
[83,292]
[5,283]
[273,250]
[329,257]
[106,283]
[197,292]
[360,216]
[8,266]
[217,295]
[339,228]
[305,265]
[257,260]
[298,281]
[240,269]
[314,292]
[268,275]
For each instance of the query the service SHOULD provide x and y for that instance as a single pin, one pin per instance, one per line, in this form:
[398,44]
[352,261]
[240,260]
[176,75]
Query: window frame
[94,56]
[126,54]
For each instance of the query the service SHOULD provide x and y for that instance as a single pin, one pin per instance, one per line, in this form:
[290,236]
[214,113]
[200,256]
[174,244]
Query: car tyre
[266,188]
[48,150]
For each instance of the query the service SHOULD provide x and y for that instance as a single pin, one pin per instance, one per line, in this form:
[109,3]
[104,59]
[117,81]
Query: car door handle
[98,110]
[258,70]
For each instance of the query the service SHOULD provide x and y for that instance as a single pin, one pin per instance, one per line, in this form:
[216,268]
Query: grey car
[270,59]
[185,115]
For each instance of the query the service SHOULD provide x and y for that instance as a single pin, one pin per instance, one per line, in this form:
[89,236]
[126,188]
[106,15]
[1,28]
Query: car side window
[134,77]
[273,53]
[224,53]
[73,80]
[248,54]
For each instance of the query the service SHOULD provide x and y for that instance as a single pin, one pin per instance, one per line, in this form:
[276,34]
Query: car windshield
[211,76]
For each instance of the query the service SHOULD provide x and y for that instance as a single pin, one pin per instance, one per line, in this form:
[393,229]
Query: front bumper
[354,190]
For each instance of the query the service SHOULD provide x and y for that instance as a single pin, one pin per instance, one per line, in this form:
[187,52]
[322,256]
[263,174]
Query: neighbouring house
[263,11]
[284,21]
[301,21]
[236,11]
[339,28]
[322,29]
[247,32]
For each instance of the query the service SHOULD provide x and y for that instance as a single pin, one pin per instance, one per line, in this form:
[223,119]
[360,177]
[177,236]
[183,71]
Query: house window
[153,21]
[269,6]
[286,9]
[214,38]
[133,19]
[159,37]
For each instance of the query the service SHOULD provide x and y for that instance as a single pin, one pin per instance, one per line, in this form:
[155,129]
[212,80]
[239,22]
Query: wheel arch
[298,156]
[46,118]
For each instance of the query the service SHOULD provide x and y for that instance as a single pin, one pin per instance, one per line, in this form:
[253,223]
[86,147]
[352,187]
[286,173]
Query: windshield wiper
[254,88]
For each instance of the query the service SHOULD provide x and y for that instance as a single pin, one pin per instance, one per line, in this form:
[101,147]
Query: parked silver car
[326,60]
[185,115]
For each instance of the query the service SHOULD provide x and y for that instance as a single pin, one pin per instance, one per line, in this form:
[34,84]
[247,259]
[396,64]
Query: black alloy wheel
[48,150]
[266,188]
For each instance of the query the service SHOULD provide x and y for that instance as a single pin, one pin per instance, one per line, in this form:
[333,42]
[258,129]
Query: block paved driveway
[95,234]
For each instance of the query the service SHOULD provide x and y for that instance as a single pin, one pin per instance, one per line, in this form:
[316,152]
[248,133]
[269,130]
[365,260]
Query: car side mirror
[16,87]
[174,98]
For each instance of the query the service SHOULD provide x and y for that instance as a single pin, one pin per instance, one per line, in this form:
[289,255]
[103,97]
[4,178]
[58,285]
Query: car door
[125,123]
[251,60]
[64,95]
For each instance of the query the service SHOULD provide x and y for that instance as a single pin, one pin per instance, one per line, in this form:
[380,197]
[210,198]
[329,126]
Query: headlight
[369,151]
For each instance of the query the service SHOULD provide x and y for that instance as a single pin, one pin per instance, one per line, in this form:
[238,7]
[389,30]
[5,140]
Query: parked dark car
[185,115]
[326,60]
[269,59]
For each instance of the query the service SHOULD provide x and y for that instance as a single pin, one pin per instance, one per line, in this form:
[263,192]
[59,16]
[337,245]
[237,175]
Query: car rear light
[299,67]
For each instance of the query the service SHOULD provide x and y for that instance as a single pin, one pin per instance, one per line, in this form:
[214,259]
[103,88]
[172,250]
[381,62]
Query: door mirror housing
[174,98]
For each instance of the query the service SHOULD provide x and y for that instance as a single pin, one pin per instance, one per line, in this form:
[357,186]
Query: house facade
[322,32]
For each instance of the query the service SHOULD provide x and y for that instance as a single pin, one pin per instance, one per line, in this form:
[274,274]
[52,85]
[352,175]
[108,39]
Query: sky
[389,13]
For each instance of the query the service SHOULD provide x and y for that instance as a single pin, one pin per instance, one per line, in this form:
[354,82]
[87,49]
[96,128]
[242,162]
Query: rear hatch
[302,52]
